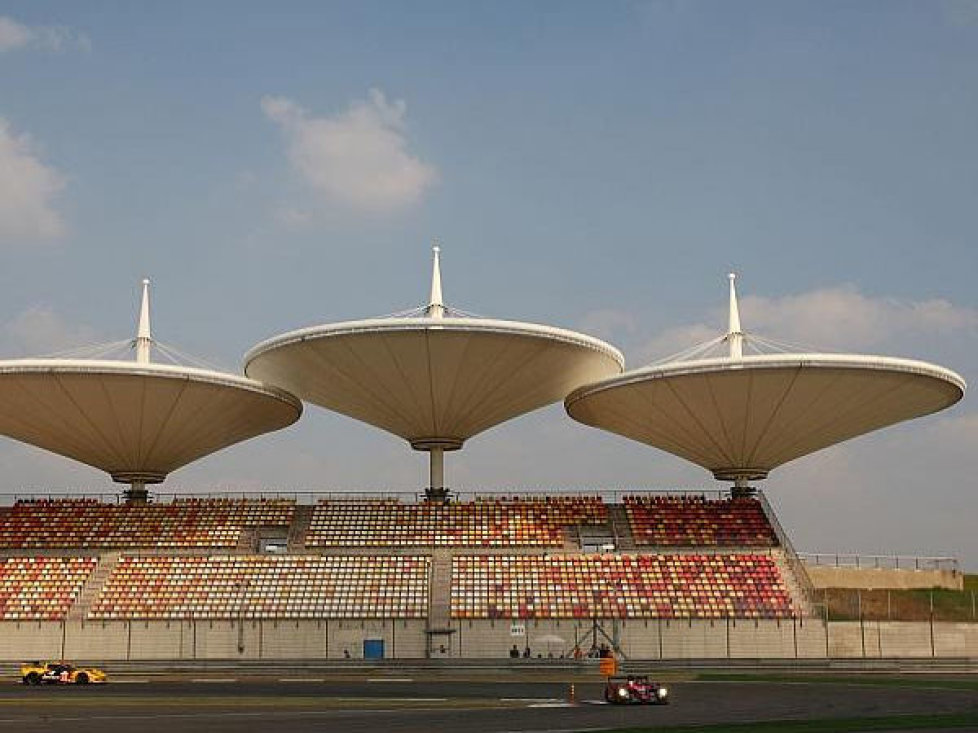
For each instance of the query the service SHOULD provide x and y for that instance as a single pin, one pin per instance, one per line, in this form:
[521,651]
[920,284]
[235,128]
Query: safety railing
[791,555]
[882,562]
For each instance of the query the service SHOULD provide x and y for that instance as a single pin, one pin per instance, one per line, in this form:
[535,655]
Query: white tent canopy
[435,378]
[742,416]
[135,420]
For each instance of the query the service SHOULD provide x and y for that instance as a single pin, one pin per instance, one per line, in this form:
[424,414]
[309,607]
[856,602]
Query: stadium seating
[618,586]
[694,521]
[497,522]
[185,523]
[263,586]
[41,588]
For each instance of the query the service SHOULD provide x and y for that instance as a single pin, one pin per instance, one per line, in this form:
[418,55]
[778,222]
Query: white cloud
[40,331]
[960,13]
[28,188]
[15,36]
[838,318]
[356,160]
[608,323]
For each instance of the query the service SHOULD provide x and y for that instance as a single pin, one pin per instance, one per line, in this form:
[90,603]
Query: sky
[599,166]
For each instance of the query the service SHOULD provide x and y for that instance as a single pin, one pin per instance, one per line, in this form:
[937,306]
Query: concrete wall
[328,639]
[826,576]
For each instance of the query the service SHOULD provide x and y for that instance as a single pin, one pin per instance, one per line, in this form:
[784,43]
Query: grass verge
[833,725]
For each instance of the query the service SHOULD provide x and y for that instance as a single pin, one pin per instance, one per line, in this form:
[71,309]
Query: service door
[373,648]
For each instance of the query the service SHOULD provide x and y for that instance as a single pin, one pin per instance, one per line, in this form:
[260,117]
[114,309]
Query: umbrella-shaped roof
[135,420]
[436,376]
[742,416]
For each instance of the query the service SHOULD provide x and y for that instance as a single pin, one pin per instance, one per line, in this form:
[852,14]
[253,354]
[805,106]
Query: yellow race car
[60,673]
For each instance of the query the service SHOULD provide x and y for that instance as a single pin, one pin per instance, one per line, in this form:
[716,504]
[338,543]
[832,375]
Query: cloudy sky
[598,166]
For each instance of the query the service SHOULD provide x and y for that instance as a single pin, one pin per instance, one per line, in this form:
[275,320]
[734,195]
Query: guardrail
[793,559]
[311,496]
[882,562]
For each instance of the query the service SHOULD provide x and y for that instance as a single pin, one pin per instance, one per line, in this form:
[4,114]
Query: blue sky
[592,165]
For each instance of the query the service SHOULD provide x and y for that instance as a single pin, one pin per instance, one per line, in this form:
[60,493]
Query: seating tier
[41,588]
[184,523]
[618,586]
[536,522]
[263,586]
[698,522]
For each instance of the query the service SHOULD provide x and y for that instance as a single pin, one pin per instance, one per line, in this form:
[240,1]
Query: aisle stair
[89,592]
[618,519]
[440,591]
[300,527]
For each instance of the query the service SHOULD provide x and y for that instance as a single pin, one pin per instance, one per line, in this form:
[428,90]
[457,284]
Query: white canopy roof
[433,382]
[135,420]
[435,379]
[742,416]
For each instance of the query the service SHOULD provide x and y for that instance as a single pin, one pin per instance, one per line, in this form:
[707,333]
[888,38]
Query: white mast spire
[735,336]
[144,338]
[436,306]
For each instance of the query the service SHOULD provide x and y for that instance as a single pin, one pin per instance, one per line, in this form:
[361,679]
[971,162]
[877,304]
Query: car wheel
[81,679]
[32,678]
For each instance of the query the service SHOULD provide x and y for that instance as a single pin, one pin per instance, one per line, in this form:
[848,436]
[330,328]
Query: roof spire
[144,339]
[735,336]
[436,306]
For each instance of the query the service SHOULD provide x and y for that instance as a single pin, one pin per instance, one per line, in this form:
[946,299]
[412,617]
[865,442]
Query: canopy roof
[435,378]
[742,416]
[136,420]
[433,382]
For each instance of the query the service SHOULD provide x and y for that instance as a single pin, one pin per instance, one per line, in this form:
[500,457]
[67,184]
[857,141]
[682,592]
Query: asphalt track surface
[299,705]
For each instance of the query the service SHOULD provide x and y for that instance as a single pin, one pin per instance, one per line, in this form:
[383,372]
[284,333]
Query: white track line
[130,682]
[215,679]
[389,679]
[302,679]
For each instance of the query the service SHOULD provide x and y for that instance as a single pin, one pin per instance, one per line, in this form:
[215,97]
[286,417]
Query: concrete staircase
[618,521]
[300,527]
[89,592]
[795,586]
[247,541]
[440,594]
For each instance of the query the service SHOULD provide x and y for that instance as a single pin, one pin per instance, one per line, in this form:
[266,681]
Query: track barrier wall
[637,640]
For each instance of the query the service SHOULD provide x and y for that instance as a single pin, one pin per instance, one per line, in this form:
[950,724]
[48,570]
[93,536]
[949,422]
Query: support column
[137,493]
[436,474]
[742,488]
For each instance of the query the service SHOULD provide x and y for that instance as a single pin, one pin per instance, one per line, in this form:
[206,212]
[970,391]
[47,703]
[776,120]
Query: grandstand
[436,569]
[651,574]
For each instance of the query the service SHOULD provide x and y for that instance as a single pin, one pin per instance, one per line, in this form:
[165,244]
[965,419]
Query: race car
[635,690]
[60,673]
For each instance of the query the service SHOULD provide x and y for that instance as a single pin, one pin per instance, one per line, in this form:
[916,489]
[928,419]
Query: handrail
[794,561]
[311,496]
[881,562]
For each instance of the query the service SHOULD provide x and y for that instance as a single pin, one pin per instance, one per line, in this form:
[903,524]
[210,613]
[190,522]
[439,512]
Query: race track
[398,705]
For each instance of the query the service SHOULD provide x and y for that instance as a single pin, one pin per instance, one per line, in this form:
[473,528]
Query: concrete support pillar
[436,474]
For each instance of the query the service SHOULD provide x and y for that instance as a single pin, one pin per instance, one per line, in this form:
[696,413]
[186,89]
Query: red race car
[635,690]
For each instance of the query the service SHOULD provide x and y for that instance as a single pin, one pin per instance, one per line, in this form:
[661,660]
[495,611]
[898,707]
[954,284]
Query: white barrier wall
[638,639]
[826,576]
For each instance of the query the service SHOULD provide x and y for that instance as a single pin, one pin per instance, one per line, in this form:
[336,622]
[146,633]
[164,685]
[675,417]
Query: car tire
[81,679]
[33,678]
